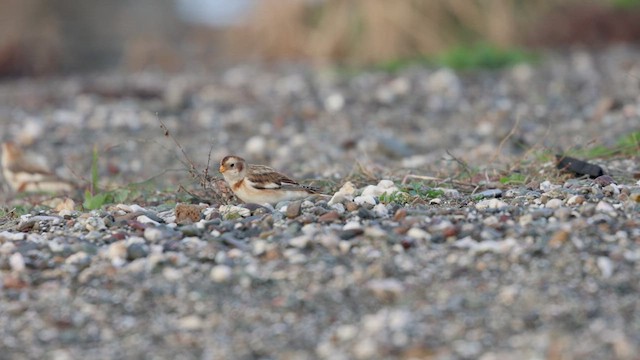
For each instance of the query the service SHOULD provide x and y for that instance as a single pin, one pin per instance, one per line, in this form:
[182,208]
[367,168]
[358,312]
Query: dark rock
[578,167]
[350,234]
[137,250]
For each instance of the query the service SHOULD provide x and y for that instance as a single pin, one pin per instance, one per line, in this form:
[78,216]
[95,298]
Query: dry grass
[370,31]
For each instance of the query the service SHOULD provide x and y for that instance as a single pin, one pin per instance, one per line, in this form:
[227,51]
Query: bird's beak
[222,168]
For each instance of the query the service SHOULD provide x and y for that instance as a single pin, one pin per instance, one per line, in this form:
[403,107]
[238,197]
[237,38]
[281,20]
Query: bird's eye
[232,165]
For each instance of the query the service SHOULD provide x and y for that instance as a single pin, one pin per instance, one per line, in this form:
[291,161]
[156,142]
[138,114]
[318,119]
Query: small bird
[27,173]
[260,184]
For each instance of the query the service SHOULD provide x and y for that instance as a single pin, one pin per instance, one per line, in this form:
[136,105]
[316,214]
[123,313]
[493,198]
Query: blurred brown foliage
[370,31]
[39,37]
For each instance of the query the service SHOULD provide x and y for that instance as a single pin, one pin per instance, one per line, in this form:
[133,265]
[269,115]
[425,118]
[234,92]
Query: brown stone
[400,214]
[331,216]
[187,213]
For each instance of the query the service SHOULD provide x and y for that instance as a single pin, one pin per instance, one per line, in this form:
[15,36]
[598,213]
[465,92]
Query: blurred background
[45,37]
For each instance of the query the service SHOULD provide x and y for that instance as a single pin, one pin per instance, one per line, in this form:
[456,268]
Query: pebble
[12,236]
[575,200]
[365,200]
[330,216]
[381,210]
[137,251]
[386,289]
[491,193]
[554,203]
[95,224]
[232,211]
[300,242]
[144,219]
[490,204]
[345,194]
[221,273]
[605,207]
[293,209]
[16,261]
[418,234]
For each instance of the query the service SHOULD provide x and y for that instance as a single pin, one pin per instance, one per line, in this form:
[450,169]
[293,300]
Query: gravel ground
[543,269]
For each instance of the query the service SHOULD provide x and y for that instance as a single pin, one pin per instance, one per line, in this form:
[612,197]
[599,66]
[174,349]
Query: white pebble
[345,193]
[351,225]
[605,207]
[146,220]
[381,210]
[334,102]
[490,204]
[153,234]
[553,203]
[11,236]
[606,266]
[299,242]
[418,234]
[256,145]
[16,261]
[365,199]
[339,208]
[221,273]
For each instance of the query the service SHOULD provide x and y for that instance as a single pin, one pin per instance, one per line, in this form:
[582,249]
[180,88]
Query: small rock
[605,207]
[400,214]
[339,208]
[365,199]
[12,236]
[604,180]
[137,251]
[221,273]
[293,209]
[144,219]
[606,266]
[190,322]
[350,233]
[553,204]
[155,234]
[381,210]
[188,214]
[490,204]
[345,194]
[352,206]
[386,289]
[232,212]
[256,146]
[364,213]
[418,234]
[491,193]
[575,200]
[330,216]
[300,242]
[66,205]
[95,223]
[16,261]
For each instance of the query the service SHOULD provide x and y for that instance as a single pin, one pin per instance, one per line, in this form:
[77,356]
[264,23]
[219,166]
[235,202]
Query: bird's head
[233,168]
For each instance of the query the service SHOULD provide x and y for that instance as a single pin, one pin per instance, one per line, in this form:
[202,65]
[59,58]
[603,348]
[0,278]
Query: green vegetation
[410,192]
[627,145]
[625,4]
[398,197]
[482,56]
[513,179]
[469,57]
[95,199]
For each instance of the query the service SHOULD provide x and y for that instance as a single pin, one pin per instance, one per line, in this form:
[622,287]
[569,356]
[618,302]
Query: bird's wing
[264,177]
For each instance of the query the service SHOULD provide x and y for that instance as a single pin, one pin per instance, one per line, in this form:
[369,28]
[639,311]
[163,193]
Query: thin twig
[192,167]
[504,140]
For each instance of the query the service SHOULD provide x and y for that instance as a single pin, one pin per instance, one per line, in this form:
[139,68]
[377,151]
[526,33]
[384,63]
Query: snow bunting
[28,173]
[260,184]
